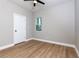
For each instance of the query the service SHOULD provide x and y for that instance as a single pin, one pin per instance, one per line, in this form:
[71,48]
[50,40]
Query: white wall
[58,23]
[77,24]
[7,9]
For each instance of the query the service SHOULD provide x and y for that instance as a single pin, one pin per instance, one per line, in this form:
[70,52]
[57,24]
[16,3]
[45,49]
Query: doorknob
[15,30]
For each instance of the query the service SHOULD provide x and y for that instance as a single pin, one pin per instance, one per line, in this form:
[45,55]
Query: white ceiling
[29,4]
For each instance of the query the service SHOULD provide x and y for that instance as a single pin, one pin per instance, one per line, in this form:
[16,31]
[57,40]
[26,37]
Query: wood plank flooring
[38,49]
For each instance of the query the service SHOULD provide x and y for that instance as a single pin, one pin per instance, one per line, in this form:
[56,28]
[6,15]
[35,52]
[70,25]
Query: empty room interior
[39,28]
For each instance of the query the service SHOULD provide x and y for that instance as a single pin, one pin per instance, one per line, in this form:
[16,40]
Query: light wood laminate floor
[38,49]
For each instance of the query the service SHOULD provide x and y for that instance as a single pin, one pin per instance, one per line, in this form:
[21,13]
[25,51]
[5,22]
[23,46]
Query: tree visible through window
[39,24]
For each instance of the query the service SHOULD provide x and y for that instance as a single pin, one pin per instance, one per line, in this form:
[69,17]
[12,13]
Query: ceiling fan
[36,1]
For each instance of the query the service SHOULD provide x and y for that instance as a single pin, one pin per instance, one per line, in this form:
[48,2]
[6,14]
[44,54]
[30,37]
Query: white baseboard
[76,51]
[28,39]
[53,42]
[10,45]
[6,46]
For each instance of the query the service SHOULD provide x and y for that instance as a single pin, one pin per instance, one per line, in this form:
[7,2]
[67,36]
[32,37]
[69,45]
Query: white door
[19,28]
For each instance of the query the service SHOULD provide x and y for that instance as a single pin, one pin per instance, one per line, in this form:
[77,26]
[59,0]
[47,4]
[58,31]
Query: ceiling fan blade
[41,2]
[28,0]
[34,4]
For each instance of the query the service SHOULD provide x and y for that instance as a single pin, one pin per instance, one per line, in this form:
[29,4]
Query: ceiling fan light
[35,1]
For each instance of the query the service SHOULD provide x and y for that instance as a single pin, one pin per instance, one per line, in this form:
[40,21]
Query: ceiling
[29,4]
